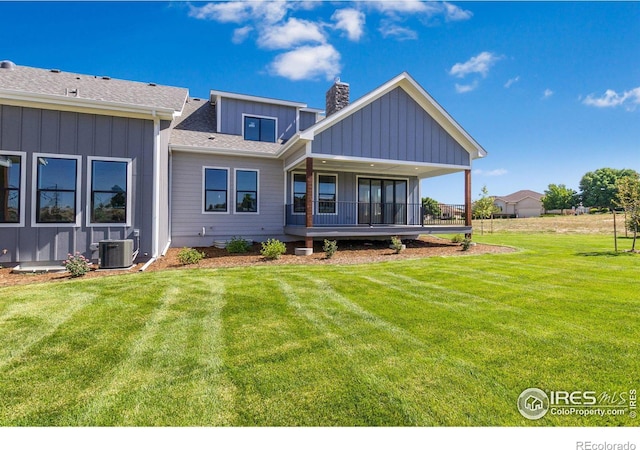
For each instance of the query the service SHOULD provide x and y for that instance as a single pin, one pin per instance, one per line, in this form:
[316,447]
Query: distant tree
[628,197]
[598,188]
[558,196]
[430,207]
[483,208]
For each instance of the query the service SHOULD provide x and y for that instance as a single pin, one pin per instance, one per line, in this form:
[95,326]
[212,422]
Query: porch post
[467,197]
[309,202]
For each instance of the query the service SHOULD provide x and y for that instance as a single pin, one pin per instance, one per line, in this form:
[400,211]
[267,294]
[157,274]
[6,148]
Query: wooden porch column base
[308,242]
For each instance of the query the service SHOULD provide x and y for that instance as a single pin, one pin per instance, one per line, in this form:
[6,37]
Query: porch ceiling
[396,168]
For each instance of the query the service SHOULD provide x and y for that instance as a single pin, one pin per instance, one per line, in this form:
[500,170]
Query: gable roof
[53,86]
[417,93]
[519,196]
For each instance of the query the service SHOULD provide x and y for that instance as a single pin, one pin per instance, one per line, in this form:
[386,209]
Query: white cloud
[490,173]
[389,29]
[405,6]
[307,62]
[547,93]
[480,63]
[266,11]
[351,21]
[611,99]
[463,88]
[292,33]
[454,13]
[511,81]
[241,34]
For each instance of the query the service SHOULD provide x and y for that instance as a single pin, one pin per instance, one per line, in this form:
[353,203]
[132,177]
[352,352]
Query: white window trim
[22,187]
[34,191]
[381,177]
[235,191]
[262,117]
[204,190]
[317,193]
[293,192]
[90,160]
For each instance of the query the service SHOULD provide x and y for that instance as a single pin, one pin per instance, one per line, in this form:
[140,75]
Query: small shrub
[466,244]
[457,239]
[238,245]
[396,244]
[189,256]
[77,265]
[273,249]
[330,248]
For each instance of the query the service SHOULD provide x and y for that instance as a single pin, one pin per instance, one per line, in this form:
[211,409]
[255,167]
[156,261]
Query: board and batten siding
[32,130]
[307,119]
[393,127]
[233,109]
[187,216]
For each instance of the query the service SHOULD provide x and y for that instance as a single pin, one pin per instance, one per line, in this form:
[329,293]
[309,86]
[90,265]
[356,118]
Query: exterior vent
[7,65]
[55,71]
[115,254]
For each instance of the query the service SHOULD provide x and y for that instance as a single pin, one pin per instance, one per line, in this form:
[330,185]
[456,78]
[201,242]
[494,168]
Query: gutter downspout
[156,187]
[166,249]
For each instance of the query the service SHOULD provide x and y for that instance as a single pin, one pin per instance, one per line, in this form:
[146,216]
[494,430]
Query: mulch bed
[349,252]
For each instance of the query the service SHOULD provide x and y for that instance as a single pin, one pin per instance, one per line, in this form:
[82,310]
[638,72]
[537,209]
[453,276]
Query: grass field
[438,341]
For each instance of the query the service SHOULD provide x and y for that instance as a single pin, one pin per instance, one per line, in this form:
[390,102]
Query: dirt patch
[349,252]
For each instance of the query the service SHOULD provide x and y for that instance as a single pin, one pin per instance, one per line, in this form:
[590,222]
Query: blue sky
[550,89]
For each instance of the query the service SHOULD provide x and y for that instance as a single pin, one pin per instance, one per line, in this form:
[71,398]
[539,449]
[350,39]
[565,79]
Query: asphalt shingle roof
[197,128]
[520,195]
[30,80]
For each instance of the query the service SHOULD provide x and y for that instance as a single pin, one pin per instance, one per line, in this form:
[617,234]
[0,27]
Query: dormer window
[262,129]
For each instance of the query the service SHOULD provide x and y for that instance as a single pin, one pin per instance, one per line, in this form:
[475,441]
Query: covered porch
[345,198]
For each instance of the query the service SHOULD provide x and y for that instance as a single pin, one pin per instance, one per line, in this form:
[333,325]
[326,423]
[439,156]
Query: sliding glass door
[382,201]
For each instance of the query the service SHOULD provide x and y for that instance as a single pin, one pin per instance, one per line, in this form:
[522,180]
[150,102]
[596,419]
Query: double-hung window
[246,191]
[56,193]
[216,188]
[109,192]
[11,189]
[259,129]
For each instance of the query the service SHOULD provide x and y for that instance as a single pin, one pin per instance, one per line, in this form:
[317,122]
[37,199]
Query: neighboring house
[95,158]
[520,204]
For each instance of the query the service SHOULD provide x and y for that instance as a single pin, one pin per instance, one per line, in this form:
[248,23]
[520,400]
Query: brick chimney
[337,97]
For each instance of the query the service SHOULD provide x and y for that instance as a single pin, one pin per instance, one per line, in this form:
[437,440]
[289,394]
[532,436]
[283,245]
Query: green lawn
[438,341]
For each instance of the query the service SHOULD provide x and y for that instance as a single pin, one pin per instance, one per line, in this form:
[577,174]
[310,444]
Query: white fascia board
[252,98]
[386,161]
[46,101]
[312,110]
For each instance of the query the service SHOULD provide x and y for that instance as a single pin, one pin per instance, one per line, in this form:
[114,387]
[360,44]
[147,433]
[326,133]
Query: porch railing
[328,214]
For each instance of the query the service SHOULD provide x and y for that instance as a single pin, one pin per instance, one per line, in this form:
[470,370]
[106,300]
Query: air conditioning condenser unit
[115,254]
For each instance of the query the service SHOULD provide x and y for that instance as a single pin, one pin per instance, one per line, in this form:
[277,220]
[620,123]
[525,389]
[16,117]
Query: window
[10,193]
[246,191]
[109,191]
[299,193]
[327,194]
[259,129]
[57,188]
[216,186]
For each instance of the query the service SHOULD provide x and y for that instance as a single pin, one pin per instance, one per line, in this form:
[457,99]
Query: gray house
[87,158]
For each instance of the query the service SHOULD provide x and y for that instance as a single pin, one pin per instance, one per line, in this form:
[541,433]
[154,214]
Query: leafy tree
[558,196]
[628,197]
[483,208]
[430,207]
[598,188]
